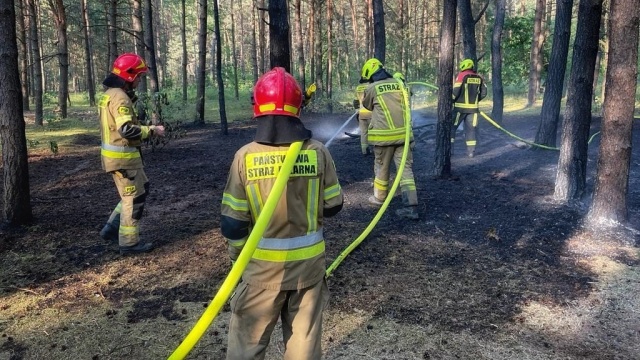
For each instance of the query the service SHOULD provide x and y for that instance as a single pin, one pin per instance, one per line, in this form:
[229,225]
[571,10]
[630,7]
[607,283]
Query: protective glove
[356,104]
[158,130]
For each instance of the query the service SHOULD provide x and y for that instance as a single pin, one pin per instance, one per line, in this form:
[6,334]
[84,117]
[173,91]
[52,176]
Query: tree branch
[486,5]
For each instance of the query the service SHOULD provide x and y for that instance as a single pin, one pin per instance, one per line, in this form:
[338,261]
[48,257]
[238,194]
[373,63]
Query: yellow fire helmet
[370,67]
[466,64]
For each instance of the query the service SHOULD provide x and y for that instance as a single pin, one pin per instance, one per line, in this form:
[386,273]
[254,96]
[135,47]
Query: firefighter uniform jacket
[387,99]
[291,254]
[468,90]
[363,113]
[120,152]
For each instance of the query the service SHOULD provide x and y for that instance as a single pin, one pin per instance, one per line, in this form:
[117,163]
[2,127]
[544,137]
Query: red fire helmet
[277,93]
[128,66]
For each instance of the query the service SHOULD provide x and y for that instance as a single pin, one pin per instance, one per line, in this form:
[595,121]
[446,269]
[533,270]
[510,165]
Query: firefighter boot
[409,212]
[140,247]
[375,198]
[471,151]
[110,231]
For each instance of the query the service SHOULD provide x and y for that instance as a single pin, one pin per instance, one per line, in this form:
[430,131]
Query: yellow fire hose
[233,278]
[392,191]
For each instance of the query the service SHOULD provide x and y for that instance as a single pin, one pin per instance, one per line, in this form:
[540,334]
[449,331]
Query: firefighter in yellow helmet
[468,89]
[388,100]
[122,135]
[364,116]
[285,277]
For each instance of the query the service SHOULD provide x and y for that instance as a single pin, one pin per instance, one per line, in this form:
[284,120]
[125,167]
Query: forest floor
[494,268]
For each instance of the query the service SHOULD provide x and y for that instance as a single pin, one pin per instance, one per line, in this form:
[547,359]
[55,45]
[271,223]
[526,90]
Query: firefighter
[122,135]
[388,100]
[285,278]
[364,116]
[468,89]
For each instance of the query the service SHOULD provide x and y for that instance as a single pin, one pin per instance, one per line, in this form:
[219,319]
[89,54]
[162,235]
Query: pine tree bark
[113,31]
[496,62]
[550,113]
[299,41]
[612,180]
[202,61]
[442,161]
[34,44]
[379,35]
[537,41]
[23,54]
[279,54]
[16,199]
[329,81]
[88,54]
[572,164]
[183,41]
[138,31]
[221,103]
[234,56]
[468,27]
[60,19]
[150,45]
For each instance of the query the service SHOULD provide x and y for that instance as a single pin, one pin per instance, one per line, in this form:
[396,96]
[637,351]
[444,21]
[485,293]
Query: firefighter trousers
[384,155]
[255,312]
[470,129]
[133,187]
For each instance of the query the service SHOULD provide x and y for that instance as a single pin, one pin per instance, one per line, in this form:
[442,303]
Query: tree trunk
[299,40]
[550,113]
[223,111]
[537,41]
[138,31]
[442,161]
[572,164]
[317,19]
[279,35]
[234,56]
[379,36]
[183,41]
[37,62]
[113,31]
[202,61]
[356,39]
[368,20]
[329,55]
[496,62]
[60,19]
[23,54]
[88,54]
[150,45]
[468,27]
[605,57]
[261,37]
[16,198]
[612,180]
[254,45]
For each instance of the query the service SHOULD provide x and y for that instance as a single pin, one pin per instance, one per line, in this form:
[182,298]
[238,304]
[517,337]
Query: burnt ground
[494,268]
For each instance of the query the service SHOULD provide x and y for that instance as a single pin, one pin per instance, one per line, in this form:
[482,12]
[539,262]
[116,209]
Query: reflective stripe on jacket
[116,109]
[387,99]
[291,253]
[468,90]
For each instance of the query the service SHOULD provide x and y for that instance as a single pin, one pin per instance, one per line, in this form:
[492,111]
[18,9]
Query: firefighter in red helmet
[285,276]
[122,135]
[468,89]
